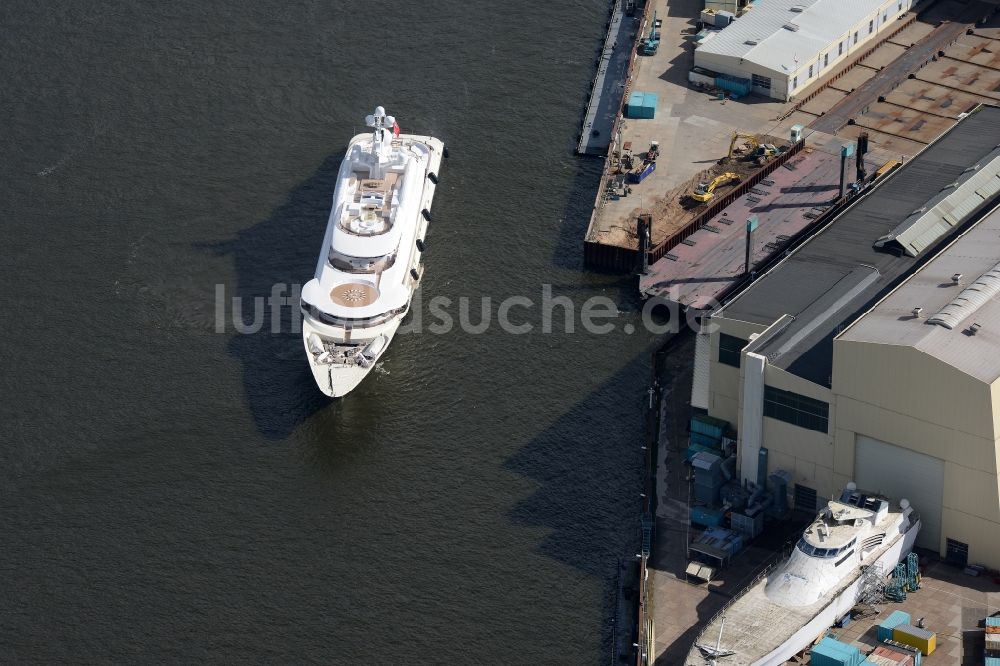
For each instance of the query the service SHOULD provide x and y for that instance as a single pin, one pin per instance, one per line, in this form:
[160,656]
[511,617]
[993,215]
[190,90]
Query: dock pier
[614,67]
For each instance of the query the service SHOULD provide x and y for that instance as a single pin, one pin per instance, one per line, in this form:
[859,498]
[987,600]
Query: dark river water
[172,490]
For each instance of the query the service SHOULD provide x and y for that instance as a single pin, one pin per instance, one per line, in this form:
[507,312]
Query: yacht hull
[351,317]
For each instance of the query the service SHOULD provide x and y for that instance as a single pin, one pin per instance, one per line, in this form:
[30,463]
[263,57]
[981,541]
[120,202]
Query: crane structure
[706,191]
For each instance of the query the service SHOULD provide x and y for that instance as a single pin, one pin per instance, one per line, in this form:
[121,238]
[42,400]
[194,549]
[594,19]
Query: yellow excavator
[706,191]
[752,144]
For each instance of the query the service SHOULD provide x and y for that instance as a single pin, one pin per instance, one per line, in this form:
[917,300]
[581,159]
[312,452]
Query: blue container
[883,632]
[639,176]
[734,84]
[705,440]
[993,621]
[641,105]
[708,425]
[831,652]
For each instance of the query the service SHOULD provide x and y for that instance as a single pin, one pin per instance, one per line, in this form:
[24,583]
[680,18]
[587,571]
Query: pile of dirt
[675,210]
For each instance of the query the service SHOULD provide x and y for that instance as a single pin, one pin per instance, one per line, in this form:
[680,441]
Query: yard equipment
[705,191]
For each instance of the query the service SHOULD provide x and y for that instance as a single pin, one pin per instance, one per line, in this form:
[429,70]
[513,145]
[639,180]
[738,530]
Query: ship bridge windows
[348,264]
[824,553]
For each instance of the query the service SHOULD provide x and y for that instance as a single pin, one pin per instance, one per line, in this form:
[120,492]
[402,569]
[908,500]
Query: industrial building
[872,352]
[780,47]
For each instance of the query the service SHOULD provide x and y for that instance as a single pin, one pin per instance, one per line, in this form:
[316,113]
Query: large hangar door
[897,472]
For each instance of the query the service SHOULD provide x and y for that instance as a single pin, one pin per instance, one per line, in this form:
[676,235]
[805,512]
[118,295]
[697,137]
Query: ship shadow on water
[589,469]
[278,384]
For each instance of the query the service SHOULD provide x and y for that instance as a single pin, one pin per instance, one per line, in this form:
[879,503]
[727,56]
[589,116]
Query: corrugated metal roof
[811,284]
[774,35]
[973,297]
[952,206]
[958,305]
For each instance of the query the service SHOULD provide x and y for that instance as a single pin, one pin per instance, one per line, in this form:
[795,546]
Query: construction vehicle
[751,146]
[705,191]
[653,152]
[652,43]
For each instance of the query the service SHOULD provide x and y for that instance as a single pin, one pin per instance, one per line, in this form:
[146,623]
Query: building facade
[853,360]
[784,46]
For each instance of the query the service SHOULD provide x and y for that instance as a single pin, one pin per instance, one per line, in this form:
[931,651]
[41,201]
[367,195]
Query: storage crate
[642,105]
[709,425]
[831,652]
[705,440]
[923,640]
[885,656]
[883,632]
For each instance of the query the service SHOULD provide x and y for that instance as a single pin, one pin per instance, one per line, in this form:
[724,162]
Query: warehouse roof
[967,264]
[838,273]
[777,33]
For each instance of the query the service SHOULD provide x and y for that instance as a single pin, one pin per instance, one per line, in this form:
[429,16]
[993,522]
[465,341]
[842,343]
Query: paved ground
[952,603]
[679,608]
[693,129]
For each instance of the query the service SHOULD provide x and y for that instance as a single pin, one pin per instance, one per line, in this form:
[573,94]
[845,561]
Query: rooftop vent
[798,9]
[974,329]
[916,312]
[751,42]
[956,278]
[791,26]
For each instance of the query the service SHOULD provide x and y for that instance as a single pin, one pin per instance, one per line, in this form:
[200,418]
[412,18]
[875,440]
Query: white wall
[786,85]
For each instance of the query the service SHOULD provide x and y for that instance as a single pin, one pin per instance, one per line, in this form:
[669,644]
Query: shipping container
[739,87]
[831,652]
[883,632]
[641,105]
[706,440]
[885,656]
[709,425]
[923,640]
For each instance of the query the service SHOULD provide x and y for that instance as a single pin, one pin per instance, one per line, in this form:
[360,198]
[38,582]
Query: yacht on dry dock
[369,264]
[783,613]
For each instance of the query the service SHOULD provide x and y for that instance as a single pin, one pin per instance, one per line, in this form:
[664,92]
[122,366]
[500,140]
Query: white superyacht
[370,262]
[784,612]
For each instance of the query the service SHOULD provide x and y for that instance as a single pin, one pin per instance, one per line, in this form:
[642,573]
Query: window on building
[871,26]
[730,347]
[795,82]
[810,71]
[900,6]
[855,36]
[796,409]
[826,59]
[840,48]
[805,498]
[761,81]
[957,552]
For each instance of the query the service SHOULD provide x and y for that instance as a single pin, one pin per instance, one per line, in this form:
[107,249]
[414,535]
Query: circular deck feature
[354,294]
[369,223]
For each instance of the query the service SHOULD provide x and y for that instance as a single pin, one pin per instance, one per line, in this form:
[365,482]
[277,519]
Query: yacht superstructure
[784,612]
[370,261]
